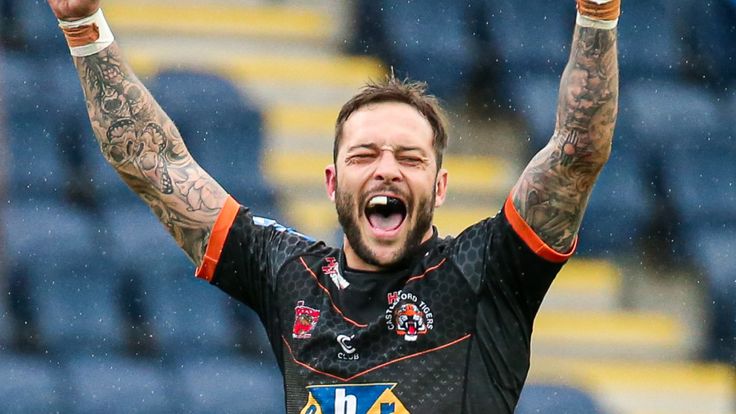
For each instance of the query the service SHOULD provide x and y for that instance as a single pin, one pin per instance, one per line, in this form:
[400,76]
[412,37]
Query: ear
[331,181]
[440,188]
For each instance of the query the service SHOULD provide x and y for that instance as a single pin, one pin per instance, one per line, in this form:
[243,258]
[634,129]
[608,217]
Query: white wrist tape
[585,21]
[88,45]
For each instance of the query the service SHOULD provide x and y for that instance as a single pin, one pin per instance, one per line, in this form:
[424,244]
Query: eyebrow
[363,146]
[397,148]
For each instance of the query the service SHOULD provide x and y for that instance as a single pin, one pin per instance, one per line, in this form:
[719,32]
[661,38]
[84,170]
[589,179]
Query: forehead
[387,123]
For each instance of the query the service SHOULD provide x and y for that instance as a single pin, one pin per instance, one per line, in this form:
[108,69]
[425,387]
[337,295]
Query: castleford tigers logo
[408,316]
[305,319]
[353,399]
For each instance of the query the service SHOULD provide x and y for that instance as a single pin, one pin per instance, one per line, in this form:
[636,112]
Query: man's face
[385,184]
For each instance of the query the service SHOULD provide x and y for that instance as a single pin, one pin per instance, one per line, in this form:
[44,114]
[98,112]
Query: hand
[73,9]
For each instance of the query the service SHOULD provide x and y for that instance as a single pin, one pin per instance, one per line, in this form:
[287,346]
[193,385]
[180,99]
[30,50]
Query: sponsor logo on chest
[353,399]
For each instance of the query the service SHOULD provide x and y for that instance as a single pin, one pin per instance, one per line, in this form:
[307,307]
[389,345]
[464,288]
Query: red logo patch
[305,319]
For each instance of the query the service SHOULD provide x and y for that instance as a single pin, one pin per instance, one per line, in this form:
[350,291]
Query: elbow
[601,153]
[604,153]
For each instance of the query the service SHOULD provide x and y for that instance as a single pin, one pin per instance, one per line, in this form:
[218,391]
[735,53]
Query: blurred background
[100,312]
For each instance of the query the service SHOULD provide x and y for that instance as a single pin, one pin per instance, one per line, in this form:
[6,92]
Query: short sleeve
[507,263]
[244,254]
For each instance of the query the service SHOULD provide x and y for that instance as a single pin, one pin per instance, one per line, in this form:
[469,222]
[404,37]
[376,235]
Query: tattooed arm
[554,189]
[140,141]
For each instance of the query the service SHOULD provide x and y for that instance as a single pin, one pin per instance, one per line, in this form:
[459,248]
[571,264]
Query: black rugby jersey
[448,334]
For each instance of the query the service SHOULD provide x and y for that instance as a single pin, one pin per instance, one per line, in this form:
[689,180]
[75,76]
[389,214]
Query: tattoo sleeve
[554,189]
[140,141]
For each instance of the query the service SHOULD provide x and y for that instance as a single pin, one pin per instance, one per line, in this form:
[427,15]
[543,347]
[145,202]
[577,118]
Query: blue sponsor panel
[353,399]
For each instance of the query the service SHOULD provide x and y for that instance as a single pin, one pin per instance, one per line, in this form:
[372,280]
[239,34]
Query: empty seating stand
[431,43]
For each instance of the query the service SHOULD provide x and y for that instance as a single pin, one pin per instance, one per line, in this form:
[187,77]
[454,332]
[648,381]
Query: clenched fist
[73,9]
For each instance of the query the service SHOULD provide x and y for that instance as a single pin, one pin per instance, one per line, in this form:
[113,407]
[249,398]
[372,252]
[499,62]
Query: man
[397,320]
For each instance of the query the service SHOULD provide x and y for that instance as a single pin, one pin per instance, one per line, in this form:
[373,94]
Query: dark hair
[395,90]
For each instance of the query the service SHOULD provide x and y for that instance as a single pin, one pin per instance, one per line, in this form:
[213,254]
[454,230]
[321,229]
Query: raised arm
[553,191]
[140,141]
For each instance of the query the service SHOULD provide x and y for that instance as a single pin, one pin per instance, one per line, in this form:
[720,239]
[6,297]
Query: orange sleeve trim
[218,235]
[532,240]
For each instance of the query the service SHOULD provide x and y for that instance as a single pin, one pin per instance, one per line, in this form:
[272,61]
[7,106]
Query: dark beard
[345,204]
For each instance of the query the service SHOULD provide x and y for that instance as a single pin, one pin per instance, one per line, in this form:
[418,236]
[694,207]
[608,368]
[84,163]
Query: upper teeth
[378,200]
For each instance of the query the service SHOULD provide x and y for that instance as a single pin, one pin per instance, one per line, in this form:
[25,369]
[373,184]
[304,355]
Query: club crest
[408,316]
[305,319]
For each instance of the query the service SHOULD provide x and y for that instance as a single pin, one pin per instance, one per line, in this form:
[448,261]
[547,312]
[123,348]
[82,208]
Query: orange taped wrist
[87,36]
[600,9]
[81,35]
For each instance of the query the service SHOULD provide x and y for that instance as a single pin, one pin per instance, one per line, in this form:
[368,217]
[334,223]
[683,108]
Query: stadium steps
[609,334]
[585,285]
[645,387]
[196,19]
[269,68]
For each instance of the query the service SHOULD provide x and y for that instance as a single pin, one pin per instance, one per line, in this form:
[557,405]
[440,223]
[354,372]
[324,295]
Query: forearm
[553,191]
[140,141]
[588,99]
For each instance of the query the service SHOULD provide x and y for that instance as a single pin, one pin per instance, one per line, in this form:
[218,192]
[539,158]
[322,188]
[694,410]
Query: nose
[387,169]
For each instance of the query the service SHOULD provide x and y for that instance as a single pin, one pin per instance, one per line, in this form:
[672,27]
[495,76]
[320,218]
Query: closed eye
[359,158]
[411,161]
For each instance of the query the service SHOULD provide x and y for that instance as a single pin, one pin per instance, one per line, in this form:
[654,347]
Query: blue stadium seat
[79,310]
[29,385]
[40,30]
[556,399]
[368,34]
[712,27]
[664,117]
[218,123]
[230,385]
[140,240]
[701,176]
[536,100]
[35,166]
[619,209]
[648,40]
[49,232]
[19,323]
[431,42]
[533,43]
[6,323]
[222,129]
[118,385]
[189,316]
[716,245]
[532,37]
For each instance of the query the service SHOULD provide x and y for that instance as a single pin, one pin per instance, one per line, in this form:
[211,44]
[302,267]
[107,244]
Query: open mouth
[385,213]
